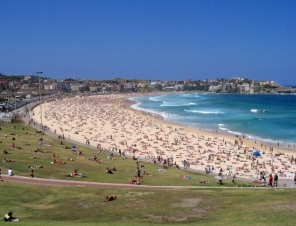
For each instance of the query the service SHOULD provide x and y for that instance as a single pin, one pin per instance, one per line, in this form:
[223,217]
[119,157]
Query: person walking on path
[270,181]
[276,179]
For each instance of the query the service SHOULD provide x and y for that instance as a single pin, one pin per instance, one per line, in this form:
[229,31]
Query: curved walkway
[54,182]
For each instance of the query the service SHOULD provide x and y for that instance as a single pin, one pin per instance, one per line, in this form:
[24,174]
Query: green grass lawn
[91,170]
[52,205]
[78,205]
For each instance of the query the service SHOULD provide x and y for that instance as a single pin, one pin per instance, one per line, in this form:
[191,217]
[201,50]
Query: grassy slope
[92,170]
[84,206]
[50,205]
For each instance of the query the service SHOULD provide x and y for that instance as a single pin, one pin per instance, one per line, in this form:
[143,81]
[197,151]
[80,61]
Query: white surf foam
[175,104]
[157,98]
[205,112]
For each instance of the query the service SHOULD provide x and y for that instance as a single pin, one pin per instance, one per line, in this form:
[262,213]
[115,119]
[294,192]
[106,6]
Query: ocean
[263,117]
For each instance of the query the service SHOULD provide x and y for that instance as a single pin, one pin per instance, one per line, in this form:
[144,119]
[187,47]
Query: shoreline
[109,122]
[288,146]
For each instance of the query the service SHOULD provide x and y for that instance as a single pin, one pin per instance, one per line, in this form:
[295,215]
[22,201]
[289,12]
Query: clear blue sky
[150,39]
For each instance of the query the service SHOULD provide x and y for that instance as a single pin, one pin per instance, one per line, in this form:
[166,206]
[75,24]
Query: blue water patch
[269,117]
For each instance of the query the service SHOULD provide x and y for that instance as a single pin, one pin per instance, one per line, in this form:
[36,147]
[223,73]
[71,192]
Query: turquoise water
[271,118]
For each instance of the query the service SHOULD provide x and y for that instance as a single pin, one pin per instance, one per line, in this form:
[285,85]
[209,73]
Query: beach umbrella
[256,153]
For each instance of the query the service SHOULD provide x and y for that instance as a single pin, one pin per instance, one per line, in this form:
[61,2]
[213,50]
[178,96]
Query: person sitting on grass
[54,155]
[10,172]
[109,171]
[75,173]
[5,152]
[8,217]
[32,174]
[136,180]
[110,198]
[113,168]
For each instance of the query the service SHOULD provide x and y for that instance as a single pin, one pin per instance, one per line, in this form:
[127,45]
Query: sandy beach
[105,122]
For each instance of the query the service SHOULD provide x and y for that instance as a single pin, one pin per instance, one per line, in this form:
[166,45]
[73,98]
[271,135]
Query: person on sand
[32,174]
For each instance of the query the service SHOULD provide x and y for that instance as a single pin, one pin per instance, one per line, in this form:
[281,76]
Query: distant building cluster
[32,85]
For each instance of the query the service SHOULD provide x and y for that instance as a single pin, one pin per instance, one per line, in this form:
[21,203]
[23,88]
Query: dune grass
[91,170]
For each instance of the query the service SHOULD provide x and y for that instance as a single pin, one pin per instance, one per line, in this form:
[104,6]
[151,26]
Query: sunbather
[8,160]
[109,171]
[35,167]
[136,180]
[34,157]
[110,198]
[203,182]
[76,173]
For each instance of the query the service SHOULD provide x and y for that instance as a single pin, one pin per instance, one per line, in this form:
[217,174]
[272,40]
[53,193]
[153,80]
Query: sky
[150,39]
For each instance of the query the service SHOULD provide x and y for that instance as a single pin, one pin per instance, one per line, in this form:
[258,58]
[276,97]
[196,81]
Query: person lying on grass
[41,151]
[8,160]
[35,167]
[5,152]
[203,182]
[109,171]
[184,176]
[34,157]
[110,198]
[58,162]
